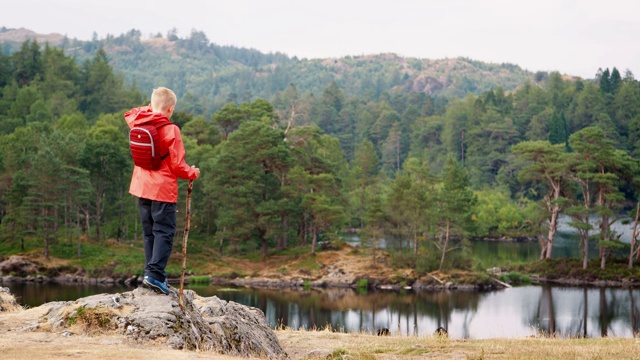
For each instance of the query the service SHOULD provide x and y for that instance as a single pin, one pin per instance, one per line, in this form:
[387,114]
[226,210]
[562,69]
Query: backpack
[146,146]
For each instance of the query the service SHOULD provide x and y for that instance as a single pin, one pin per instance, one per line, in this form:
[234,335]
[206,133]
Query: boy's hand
[197,170]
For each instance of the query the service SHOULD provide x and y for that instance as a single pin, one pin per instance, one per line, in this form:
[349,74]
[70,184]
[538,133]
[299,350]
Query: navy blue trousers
[158,230]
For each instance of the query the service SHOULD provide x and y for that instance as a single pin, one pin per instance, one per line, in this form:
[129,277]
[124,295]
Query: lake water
[496,253]
[514,312]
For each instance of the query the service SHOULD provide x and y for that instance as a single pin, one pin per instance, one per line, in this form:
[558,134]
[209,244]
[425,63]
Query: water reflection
[496,253]
[36,294]
[582,312]
[515,312]
[499,253]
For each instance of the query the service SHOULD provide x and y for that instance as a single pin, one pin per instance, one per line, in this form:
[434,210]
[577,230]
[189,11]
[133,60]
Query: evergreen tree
[456,207]
[244,181]
[6,75]
[228,119]
[106,165]
[605,82]
[558,129]
[545,163]
[615,81]
[364,169]
[598,169]
[27,62]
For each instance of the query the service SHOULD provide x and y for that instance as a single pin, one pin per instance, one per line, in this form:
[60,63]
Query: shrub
[362,284]
[306,285]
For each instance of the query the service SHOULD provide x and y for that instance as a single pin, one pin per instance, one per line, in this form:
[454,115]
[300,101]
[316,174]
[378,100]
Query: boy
[157,190]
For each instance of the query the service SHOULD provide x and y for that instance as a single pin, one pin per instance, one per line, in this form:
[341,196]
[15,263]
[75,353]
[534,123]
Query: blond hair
[162,99]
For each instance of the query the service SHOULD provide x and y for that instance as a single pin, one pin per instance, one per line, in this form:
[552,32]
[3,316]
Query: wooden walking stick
[184,241]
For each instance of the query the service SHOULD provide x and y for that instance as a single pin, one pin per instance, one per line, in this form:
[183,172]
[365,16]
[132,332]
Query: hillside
[226,73]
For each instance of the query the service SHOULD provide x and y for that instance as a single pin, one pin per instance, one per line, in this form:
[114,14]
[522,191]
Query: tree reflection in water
[515,312]
[587,312]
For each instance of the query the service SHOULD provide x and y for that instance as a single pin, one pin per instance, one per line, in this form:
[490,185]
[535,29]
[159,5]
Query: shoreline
[346,267]
[269,283]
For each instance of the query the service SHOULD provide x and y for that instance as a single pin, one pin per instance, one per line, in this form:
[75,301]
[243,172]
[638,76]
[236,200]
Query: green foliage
[306,285]
[292,151]
[515,278]
[497,213]
[423,262]
[91,318]
[200,280]
[338,354]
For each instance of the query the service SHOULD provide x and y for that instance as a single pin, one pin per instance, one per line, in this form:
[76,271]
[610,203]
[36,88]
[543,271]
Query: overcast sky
[574,37]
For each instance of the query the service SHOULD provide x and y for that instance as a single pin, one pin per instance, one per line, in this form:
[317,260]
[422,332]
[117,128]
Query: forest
[294,167]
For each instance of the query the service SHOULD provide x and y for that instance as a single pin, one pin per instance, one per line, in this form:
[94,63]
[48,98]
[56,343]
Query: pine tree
[558,129]
[456,206]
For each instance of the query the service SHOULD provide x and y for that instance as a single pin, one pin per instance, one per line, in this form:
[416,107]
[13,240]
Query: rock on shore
[144,317]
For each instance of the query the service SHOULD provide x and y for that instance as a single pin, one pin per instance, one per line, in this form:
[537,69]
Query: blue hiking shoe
[161,287]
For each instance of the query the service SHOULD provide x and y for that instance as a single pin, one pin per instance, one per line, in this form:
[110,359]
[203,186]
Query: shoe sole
[155,288]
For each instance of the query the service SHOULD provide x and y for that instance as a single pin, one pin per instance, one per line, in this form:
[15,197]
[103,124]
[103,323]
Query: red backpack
[147,149]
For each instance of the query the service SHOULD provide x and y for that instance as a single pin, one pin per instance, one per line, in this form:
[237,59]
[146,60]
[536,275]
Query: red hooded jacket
[161,184]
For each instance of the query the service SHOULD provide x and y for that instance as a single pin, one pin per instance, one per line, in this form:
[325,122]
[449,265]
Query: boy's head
[163,100]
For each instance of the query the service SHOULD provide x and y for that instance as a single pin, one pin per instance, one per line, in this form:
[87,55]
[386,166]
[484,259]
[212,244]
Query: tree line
[427,173]
[208,76]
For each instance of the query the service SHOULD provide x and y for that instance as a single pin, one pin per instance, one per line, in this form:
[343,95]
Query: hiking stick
[184,241]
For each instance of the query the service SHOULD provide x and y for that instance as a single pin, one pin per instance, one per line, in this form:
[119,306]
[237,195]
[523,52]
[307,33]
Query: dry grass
[331,345]
[301,344]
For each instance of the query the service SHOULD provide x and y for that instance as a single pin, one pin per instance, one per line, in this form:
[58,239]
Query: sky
[574,37]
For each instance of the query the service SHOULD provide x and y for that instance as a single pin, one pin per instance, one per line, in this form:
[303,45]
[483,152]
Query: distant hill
[221,74]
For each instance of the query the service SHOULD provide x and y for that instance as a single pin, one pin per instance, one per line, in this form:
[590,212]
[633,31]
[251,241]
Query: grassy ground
[324,345]
[331,345]
[123,259]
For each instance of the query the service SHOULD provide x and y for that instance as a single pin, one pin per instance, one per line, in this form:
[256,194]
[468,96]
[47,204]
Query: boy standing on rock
[157,189]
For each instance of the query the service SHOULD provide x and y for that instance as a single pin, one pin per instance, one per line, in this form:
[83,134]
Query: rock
[131,281]
[337,277]
[8,302]
[239,329]
[18,266]
[206,324]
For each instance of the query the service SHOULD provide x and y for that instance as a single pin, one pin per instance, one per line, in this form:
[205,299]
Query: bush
[306,285]
[362,284]
[515,278]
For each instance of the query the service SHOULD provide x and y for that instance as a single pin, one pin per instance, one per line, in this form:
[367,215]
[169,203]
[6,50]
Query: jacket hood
[143,115]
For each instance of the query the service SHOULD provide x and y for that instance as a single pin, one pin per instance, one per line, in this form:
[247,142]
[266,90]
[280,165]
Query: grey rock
[206,324]
[17,264]
[8,302]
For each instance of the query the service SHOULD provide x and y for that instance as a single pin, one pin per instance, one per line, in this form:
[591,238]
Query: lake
[514,312]
[498,253]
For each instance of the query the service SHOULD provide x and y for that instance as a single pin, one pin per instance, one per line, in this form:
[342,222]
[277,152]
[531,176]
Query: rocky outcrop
[142,316]
[8,302]
[18,269]
[17,266]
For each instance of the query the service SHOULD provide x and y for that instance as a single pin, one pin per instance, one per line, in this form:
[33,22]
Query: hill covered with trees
[199,69]
[316,156]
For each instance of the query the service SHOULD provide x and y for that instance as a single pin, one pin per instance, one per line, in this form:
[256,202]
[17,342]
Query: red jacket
[161,184]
